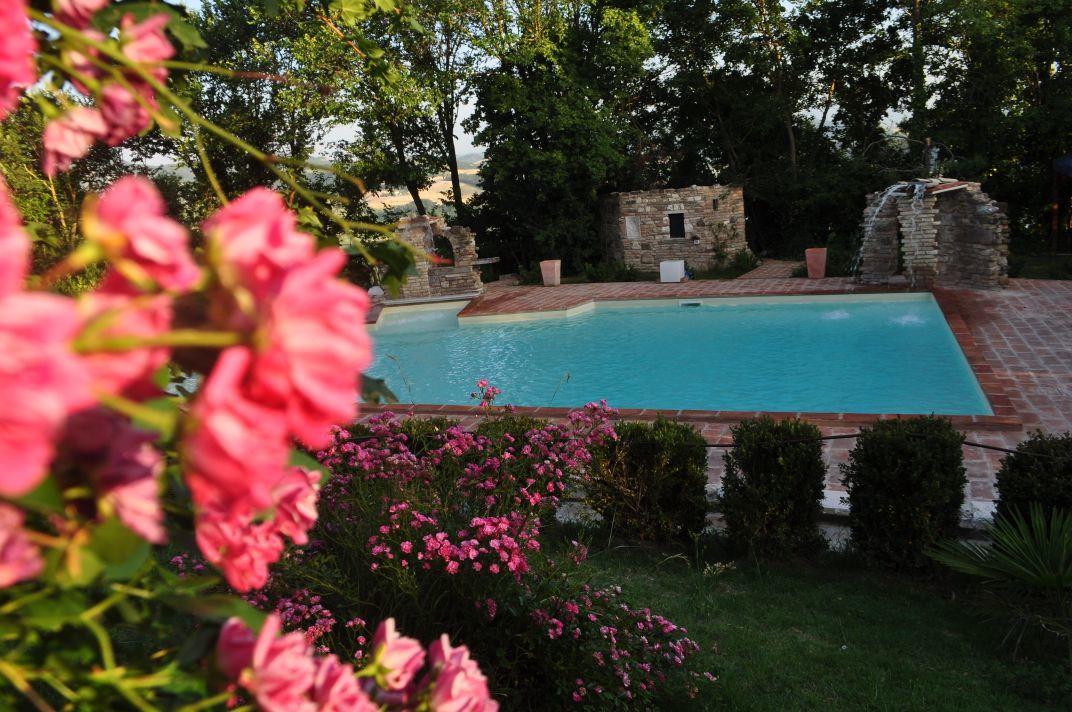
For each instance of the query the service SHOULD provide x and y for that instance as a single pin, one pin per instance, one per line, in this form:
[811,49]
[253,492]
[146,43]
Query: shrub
[457,536]
[611,272]
[772,489]
[743,261]
[905,480]
[650,484]
[1039,471]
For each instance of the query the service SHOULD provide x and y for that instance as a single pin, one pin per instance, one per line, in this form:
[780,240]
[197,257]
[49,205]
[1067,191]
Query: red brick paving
[1018,341]
[772,269]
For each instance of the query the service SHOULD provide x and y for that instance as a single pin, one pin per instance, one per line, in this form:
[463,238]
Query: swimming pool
[886,353]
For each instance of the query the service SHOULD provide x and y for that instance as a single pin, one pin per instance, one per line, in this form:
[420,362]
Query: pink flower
[459,685]
[128,372]
[17,46]
[295,503]
[236,449]
[125,115]
[77,13]
[335,688]
[144,42]
[14,245]
[234,648]
[128,481]
[38,372]
[130,222]
[19,559]
[242,549]
[281,670]
[70,137]
[257,241]
[316,347]
[399,658]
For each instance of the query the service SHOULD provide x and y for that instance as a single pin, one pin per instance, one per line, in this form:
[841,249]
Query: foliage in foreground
[1026,566]
[905,479]
[772,489]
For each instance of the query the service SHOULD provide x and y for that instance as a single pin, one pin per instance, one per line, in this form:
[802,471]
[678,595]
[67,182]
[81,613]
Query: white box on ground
[671,270]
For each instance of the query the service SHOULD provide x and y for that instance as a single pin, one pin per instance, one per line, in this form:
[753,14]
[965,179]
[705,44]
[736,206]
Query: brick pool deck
[1018,341]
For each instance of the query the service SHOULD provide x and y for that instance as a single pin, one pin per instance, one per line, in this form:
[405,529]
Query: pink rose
[295,503]
[14,245]
[38,372]
[126,372]
[335,688]
[316,347]
[81,60]
[17,46]
[125,466]
[234,648]
[281,670]
[257,241]
[144,42]
[19,559]
[130,222]
[129,483]
[124,113]
[242,549]
[236,449]
[77,13]
[459,685]
[70,137]
[399,658]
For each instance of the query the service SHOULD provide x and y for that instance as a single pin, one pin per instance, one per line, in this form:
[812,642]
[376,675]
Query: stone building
[701,224]
[934,232]
[461,278]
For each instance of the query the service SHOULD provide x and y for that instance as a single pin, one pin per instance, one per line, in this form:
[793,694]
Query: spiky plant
[1027,565]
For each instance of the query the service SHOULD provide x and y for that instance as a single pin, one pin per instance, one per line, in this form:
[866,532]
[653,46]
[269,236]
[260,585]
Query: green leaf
[351,12]
[187,35]
[217,607]
[51,614]
[375,390]
[196,646]
[45,497]
[299,458]
[120,550]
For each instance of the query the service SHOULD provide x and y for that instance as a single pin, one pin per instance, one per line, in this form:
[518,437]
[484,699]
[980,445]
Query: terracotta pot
[816,259]
[551,271]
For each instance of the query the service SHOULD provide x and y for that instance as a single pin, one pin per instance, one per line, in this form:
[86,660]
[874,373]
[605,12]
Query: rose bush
[104,457]
[426,522]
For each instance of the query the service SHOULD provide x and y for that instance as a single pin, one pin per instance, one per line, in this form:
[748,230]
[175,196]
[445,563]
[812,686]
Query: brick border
[1005,417]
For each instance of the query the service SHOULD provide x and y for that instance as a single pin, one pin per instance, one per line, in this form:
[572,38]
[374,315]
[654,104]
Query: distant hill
[468,165]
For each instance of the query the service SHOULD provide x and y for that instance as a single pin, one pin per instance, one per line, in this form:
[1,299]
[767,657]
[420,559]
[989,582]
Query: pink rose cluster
[282,673]
[122,107]
[299,345]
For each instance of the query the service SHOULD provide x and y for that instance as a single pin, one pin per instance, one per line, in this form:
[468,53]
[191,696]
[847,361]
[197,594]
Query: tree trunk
[411,185]
[447,127]
[919,74]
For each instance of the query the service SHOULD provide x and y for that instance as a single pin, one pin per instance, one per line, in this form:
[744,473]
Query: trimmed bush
[772,490]
[905,480]
[498,427]
[650,483]
[1039,471]
[423,434]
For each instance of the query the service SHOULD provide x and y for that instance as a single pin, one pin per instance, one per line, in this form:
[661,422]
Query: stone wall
[635,226]
[934,232]
[435,280]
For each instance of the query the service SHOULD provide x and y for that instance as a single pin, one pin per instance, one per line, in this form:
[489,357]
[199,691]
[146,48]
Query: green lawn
[833,636]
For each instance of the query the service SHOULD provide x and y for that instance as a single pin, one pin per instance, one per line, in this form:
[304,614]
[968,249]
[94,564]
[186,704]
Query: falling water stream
[918,189]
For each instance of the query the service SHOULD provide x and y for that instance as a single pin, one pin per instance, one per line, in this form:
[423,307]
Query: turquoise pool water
[861,354]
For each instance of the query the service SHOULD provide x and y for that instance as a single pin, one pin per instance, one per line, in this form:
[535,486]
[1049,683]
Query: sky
[463,143]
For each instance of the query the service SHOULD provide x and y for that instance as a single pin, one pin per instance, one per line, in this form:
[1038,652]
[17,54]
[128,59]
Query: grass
[832,636]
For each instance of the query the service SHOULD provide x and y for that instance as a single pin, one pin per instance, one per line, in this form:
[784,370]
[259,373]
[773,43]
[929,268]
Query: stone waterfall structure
[934,232]
[433,281]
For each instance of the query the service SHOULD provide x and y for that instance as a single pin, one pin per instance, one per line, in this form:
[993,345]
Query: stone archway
[934,232]
[461,277]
